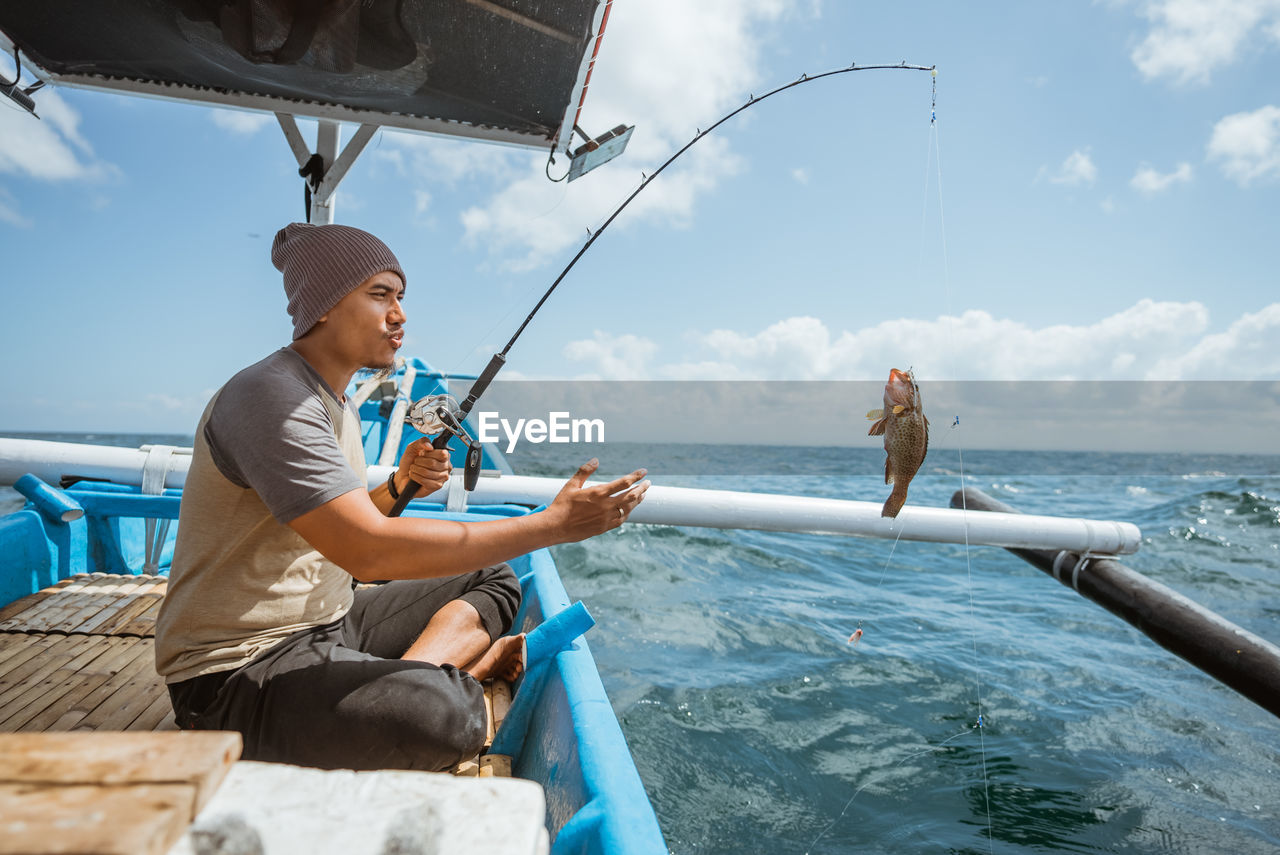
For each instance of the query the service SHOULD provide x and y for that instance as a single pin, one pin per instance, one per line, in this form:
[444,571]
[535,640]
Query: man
[260,630]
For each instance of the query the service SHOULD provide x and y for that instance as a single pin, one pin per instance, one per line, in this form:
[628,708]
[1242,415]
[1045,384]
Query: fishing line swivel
[448,414]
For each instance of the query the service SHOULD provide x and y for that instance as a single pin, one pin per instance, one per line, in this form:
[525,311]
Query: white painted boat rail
[682,506]
[51,461]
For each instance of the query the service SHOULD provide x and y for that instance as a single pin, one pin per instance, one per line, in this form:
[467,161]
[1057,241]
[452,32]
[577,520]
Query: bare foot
[504,659]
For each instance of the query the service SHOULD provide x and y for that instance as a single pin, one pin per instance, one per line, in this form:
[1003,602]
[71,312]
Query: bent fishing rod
[443,413]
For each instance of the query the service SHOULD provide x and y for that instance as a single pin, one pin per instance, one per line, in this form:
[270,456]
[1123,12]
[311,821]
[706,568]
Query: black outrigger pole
[452,422]
[1232,655]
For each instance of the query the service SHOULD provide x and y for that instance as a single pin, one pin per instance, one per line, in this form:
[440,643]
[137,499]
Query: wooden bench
[107,793]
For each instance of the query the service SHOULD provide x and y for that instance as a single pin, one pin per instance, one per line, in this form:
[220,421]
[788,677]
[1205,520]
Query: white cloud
[168,402]
[241,122]
[710,62]
[1148,341]
[1247,145]
[447,161]
[612,357]
[1191,38]
[9,211]
[1246,349]
[1147,180]
[801,175]
[516,220]
[1077,169]
[421,202]
[50,148]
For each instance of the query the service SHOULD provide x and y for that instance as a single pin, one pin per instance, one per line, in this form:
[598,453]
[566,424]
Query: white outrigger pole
[679,506]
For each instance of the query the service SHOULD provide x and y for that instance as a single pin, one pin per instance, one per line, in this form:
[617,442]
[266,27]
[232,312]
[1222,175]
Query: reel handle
[471,475]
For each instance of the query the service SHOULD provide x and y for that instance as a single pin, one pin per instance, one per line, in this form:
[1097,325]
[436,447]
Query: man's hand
[428,466]
[355,533]
[580,511]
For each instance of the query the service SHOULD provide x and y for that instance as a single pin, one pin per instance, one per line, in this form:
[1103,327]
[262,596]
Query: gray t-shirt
[274,443]
[272,430]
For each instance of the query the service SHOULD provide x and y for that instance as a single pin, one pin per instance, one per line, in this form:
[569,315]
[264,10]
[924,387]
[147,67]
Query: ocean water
[757,727]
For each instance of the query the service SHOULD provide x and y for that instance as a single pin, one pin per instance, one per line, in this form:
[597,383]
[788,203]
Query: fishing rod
[442,413]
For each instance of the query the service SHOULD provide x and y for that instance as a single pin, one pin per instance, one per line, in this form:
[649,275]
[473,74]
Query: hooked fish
[906,435]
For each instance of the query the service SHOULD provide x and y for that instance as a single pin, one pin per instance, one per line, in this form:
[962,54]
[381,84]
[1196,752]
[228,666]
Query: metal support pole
[294,137]
[327,138]
[1228,653]
[336,170]
[335,166]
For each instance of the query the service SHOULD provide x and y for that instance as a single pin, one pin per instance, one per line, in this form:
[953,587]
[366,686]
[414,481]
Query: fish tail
[894,503]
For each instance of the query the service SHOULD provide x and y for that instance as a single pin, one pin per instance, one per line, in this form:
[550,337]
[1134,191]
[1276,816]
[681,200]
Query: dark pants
[338,697]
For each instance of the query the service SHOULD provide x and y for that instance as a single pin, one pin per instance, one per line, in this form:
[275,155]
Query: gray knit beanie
[323,264]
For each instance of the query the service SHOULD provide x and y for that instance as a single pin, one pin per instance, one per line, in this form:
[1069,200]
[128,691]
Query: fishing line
[451,419]
[934,146]
[964,509]
[924,214]
[843,810]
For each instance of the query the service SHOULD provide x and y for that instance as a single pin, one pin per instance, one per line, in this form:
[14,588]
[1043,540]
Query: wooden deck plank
[122,619]
[32,600]
[143,624]
[117,653]
[154,716]
[16,649]
[44,610]
[110,621]
[22,680]
[98,598]
[93,624]
[128,704]
[23,603]
[139,658]
[39,693]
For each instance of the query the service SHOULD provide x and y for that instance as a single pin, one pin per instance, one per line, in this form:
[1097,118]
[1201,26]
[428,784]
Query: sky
[1098,200]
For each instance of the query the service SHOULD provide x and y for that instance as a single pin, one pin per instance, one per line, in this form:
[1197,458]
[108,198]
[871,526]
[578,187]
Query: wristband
[391,486]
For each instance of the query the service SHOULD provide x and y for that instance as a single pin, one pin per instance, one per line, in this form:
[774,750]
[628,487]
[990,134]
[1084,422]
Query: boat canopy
[499,70]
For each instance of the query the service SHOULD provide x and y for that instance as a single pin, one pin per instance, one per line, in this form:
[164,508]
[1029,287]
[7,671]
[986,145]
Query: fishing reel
[441,414]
